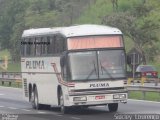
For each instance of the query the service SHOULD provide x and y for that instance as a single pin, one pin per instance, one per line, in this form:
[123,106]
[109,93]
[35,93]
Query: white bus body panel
[89,90]
[99,84]
[46,81]
[43,76]
[72,31]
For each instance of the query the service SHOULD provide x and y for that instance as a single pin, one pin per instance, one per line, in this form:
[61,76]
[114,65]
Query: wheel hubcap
[62,103]
[36,101]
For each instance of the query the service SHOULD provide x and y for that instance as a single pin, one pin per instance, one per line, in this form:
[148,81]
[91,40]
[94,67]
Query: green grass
[12,67]
[151,96]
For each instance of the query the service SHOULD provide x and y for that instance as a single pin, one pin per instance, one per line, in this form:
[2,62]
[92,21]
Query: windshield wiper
[103,68]
[94,70]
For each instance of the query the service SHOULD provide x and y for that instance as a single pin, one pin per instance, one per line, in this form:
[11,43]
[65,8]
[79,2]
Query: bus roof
[77,30]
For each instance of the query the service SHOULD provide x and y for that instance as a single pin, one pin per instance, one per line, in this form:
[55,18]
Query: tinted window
[106,64]
[32,46]
[83,65]
[111,63]
[38,45]
[43,45]
[146,68]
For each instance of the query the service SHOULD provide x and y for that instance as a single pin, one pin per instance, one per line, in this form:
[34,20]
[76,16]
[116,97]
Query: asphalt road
[12,106]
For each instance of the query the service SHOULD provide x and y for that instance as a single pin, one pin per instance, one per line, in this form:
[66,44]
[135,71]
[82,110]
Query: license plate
[99,97]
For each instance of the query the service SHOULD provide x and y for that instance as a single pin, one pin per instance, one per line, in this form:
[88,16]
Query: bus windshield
[90,65]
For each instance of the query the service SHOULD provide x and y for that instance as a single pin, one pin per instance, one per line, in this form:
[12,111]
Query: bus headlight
[80,99]
[119,96]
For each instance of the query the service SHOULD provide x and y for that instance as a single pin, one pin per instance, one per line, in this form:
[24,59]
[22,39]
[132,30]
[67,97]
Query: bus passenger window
[28,47]
[48,46]
[38,46]
[52,45]
[44,46]
[25,47]
[32,46]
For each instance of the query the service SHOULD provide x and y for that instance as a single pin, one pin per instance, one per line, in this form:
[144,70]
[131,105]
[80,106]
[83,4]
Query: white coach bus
[81,65]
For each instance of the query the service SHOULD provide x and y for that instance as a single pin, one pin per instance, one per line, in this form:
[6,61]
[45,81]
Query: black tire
[32,100]
[35,100]
[64,109]
[113,107]
[84,107]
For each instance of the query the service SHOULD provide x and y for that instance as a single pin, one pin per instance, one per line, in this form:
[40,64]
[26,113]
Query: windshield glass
[83,65]
[145,68]
[109,64]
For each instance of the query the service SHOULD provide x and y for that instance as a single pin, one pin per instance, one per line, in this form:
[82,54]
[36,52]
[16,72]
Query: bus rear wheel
[113,107]
[64,109]
[35,100]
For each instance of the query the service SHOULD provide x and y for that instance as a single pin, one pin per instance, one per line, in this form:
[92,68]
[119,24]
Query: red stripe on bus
[58,75]
[71,84]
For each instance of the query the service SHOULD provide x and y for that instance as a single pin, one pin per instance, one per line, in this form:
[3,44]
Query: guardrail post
[156,81]
[10,83]
[2,82]
[129,81]
[144,94]
[142,81]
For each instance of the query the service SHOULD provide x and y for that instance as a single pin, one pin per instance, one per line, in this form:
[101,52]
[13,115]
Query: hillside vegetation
[139,20]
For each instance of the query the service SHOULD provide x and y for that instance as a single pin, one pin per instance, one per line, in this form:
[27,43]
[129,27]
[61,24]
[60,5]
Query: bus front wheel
[64,109]
[113,107]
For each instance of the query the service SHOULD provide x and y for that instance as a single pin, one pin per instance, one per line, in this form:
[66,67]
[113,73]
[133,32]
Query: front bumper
[96,99]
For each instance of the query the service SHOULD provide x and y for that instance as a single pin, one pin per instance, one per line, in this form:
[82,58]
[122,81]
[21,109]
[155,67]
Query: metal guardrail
[11,77]
[143,80]
[16,77]
[144,89]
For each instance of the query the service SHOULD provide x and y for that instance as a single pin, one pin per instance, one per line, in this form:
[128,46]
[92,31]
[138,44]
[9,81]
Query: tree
[138,25]
[39,6]
[12,19]
[70,10]
[114,4]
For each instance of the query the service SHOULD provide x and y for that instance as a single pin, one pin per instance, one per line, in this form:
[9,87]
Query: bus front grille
[97,91]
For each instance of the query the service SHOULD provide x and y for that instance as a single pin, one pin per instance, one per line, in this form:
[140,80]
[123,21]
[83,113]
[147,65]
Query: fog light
[116,96]
[119,96]
[80,99]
